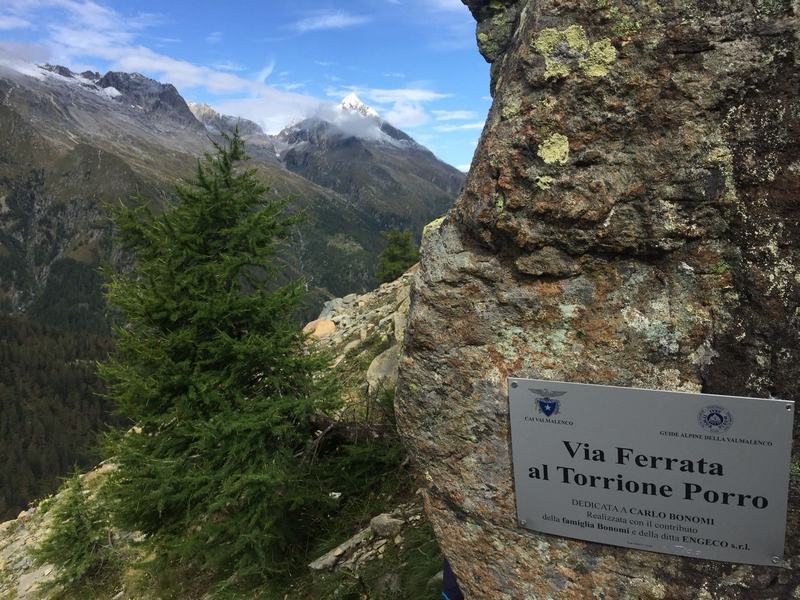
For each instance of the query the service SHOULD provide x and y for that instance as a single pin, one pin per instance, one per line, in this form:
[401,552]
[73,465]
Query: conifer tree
[215,374]
[396,257]
[79,541]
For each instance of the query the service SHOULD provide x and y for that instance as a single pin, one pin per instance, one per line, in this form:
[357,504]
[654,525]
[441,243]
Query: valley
[77,143]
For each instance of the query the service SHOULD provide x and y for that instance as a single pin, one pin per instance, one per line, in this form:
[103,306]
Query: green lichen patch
[622,25]
[544,182]
[565,50]
[554,150]
[560,48]
[432,226]
[511,107]
[602,55]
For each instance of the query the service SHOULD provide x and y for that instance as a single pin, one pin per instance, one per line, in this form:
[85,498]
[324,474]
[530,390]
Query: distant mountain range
[75,141]
[72,143]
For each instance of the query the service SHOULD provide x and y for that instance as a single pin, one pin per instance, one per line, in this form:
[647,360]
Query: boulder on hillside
[630,218]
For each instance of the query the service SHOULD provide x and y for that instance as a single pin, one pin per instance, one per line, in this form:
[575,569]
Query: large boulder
[631,217]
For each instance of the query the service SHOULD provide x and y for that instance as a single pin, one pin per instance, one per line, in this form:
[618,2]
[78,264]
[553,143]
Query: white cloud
[454,115]
[403,107]
[227,65]
[447,5]
[463,127]
[264,73]
[23,52]
[82,32]
[215,37]
[329,19]
[290,86]
[463,168]
[405,114]
[272,109]
[12,22]
[416,95]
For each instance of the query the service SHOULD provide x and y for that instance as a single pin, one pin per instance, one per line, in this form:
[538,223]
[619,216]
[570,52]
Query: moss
[794,469]
[721,267]
[544,182]
[554,149]
[565,49]
[499,202]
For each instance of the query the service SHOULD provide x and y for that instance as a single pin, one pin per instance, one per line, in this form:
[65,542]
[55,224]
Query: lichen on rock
[665,257]
[566,49]
[555,149]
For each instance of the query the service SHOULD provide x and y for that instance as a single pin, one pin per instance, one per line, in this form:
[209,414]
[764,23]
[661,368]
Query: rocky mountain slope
[630,218]
[73,143]
[363,332]
[361,156]
[76,141]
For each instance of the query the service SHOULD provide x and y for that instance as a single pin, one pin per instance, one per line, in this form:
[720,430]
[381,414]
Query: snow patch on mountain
[11,62]
[352,103]
[87,81]
[111,92]
[350,118]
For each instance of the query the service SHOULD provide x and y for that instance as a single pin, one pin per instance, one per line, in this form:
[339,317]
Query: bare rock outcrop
[364,334]
[631,218]
[369,544]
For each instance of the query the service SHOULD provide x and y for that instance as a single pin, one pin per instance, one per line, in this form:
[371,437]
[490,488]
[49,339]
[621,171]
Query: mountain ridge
[76,143]
[148,127]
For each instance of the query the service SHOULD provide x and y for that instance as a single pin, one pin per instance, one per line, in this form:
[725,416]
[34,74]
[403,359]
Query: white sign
[692,474]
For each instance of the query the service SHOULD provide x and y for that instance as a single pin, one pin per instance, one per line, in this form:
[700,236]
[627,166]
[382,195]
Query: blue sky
[415,61]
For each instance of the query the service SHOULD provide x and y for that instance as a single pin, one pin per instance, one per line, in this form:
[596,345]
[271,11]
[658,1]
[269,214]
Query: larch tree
[217,378]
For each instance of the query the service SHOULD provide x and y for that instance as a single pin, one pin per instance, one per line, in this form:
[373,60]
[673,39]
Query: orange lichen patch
[550,289]
[501,363]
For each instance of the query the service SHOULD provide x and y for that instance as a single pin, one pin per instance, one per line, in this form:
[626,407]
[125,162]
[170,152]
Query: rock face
[630,218]
[364,335]
[159,100]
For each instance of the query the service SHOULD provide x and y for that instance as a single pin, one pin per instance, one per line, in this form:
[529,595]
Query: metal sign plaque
[691,474]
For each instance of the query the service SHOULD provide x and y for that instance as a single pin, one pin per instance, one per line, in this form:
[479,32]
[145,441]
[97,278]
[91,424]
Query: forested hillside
[80,143]
[49,408]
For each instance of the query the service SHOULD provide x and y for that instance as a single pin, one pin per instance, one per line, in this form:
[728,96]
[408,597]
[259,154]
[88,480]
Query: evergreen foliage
[49,408]
[72,300]
[79,541]
[218,378]
[396,257]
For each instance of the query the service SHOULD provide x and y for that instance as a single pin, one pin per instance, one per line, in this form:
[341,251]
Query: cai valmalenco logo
[547,401]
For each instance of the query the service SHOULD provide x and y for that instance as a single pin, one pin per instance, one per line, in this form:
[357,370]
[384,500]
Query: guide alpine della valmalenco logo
[715,419]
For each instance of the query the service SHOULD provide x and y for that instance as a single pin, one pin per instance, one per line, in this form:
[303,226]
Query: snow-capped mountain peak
[353,103]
